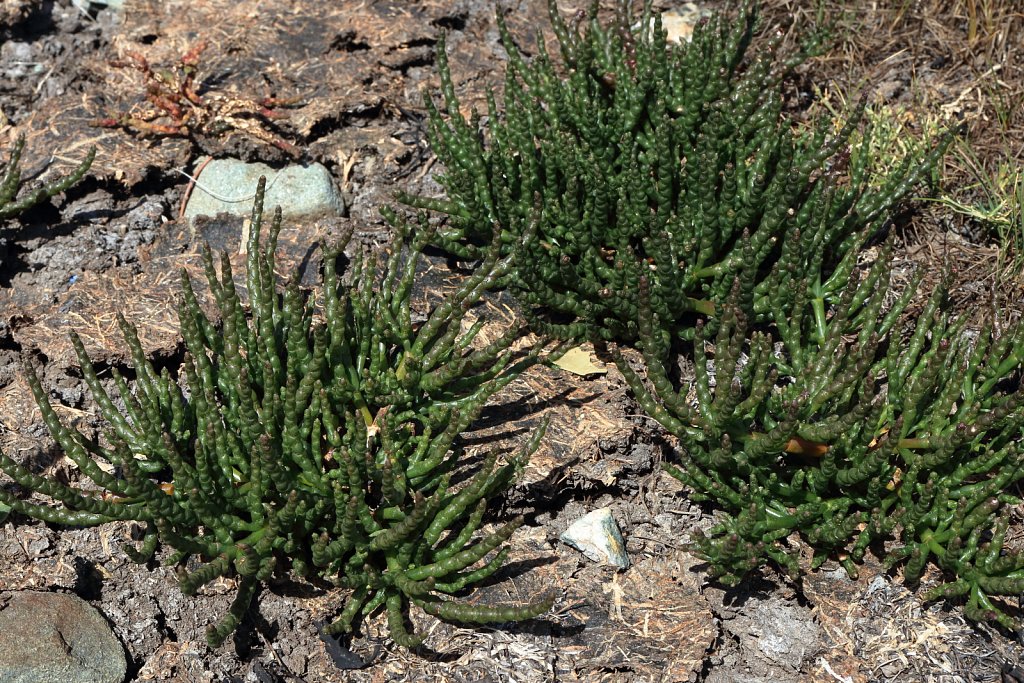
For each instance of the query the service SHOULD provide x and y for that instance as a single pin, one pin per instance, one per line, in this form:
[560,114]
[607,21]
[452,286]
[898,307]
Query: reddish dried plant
[174,107]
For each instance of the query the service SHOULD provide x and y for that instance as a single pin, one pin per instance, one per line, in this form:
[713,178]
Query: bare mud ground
[115,242]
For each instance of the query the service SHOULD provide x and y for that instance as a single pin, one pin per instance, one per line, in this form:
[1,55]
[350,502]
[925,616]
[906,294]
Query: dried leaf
[580,362]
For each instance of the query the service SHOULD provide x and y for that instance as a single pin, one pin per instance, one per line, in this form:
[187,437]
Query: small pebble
[597,536]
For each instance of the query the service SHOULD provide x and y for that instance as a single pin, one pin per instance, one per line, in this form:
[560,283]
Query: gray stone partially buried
[56,638]
[229,185]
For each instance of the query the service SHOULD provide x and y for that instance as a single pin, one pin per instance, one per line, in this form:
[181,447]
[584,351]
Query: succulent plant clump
[883,431]
[637,158]
[316,436]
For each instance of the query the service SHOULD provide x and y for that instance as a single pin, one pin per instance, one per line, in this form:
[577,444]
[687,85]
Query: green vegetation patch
[311,438]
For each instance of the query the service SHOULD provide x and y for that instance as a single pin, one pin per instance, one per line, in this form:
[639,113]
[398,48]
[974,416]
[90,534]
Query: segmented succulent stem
[10,182]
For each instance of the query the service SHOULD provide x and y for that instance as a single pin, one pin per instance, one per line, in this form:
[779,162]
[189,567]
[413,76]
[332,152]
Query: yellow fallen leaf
[579,362]
[799,446]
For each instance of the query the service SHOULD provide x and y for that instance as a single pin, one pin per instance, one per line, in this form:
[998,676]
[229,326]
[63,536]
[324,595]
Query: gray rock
[56,638]
[597,536]
[93,5]
[19,60]
[786,633]
[229,185]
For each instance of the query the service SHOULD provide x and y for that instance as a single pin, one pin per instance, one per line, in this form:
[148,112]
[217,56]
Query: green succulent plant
[866,434]
[637,158]
[11,204]
[10,183]
[316,437]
